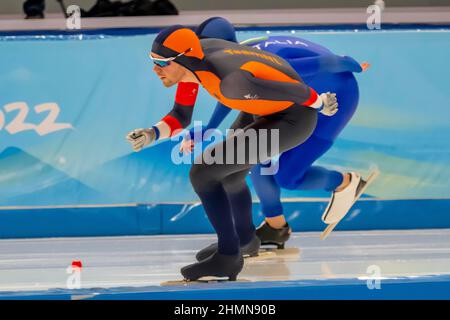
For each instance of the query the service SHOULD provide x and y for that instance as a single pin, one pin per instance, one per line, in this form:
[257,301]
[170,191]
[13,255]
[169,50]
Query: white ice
[40,264]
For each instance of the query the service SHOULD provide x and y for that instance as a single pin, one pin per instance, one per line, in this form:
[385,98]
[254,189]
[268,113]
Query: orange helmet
[177,39]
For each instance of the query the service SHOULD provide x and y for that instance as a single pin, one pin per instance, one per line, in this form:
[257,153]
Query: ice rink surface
[37,265]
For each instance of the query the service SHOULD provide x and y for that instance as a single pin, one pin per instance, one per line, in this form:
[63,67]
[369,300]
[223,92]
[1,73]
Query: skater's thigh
[259,141]
[285,130]
[243,119]
[295,162]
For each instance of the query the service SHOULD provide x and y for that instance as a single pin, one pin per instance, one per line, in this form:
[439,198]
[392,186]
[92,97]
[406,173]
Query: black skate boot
[249,250]
[216,265]
[272,236]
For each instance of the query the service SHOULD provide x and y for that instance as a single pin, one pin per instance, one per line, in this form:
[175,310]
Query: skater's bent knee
[202,176]
[195,174]
[286,182]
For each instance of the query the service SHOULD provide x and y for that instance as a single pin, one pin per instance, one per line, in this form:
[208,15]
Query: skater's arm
[181,114]
[243,85]
[178,118]
[219,114]
[309,66]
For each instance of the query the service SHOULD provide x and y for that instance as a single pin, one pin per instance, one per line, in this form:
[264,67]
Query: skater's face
[169,74]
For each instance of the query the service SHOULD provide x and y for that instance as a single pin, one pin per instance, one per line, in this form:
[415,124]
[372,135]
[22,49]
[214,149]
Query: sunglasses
[164,62]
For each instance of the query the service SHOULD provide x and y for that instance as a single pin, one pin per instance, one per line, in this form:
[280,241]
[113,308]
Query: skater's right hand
[191,138]
[330,104]
[139,138]
[187,145]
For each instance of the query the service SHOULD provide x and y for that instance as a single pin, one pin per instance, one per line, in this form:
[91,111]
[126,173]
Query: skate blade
[328,230]
[373,175]
[261,256]
[201,281]
[272,253]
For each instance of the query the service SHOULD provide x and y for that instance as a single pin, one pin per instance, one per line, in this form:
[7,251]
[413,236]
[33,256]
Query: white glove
[139,138]
[330,104]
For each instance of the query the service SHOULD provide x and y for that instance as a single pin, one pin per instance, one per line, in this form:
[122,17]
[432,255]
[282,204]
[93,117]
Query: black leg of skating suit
[217,183]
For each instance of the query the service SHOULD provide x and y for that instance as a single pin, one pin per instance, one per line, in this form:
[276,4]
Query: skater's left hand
[365,66]
[330,104]
[189,140]
[187,145]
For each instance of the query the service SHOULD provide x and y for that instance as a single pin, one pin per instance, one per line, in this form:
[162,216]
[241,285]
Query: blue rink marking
[154,219]
[423,288]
